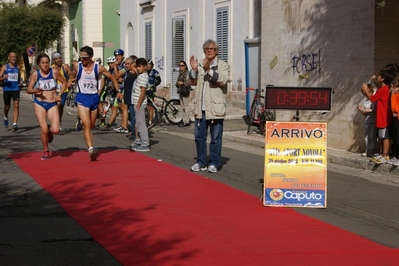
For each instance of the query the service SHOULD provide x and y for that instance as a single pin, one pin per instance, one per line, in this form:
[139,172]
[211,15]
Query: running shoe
[142,148]
[196,168]
[93,152]
[62,131]
[381,159]
[5,122]
[134,145]
[15,127]
[50,135]
[118,129]
[46,155]
[392,161]
[212,169]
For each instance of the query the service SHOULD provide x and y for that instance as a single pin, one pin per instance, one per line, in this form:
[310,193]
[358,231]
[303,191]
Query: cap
[56,55]
[111,59]
[119,52]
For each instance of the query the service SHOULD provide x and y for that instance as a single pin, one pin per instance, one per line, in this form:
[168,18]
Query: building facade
[173,30]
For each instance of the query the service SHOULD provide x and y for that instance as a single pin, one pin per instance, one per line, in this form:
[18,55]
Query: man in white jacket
[211,77]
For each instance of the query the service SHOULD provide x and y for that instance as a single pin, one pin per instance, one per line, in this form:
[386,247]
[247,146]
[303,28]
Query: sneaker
[5,122]
[381,159]
[15,127]
[50,135]
[392,161]
[134,146]
[118,129]
[121,130]
[212,169]
[142,148]
[196,168]
[364,154]
[79,125]
[46,155]
[62,131]
[93,153]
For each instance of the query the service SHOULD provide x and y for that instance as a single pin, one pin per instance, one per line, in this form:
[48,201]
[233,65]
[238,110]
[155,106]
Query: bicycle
[171,109]
[258,115]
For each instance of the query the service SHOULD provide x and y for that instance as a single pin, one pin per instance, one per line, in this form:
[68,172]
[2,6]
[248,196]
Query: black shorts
[8,95]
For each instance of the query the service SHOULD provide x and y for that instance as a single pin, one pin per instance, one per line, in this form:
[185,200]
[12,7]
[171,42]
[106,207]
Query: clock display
[300,98]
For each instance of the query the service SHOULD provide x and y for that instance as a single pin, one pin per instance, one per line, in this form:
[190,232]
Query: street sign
[103,44]
[30,51]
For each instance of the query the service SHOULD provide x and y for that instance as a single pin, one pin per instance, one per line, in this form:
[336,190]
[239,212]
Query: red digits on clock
[302,98]
[324,97]
[314,98]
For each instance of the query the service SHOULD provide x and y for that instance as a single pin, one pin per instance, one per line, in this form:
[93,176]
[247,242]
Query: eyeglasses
[84,57]
[209,49]
[181,65]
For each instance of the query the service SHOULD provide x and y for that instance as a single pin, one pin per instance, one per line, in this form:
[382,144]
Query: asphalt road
[35,230]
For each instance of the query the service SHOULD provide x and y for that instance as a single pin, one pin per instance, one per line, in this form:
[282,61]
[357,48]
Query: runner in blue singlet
[43,86]
[88,75]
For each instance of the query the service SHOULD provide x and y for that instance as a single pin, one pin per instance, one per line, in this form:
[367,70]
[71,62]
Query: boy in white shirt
[139,101]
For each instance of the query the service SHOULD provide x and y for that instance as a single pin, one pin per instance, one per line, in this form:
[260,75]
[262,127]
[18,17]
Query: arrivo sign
[30,51]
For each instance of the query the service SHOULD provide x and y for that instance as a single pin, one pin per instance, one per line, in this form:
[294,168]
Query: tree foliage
[23,26]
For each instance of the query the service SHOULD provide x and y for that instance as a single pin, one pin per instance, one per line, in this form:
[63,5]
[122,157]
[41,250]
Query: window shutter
[148,40]
[222,32]
[178,49]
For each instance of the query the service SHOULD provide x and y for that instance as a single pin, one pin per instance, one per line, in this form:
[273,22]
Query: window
[178,41]
[222,32]
[178,48]
[148,40]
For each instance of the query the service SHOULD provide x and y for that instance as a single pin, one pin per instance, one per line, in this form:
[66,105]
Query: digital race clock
[300,98]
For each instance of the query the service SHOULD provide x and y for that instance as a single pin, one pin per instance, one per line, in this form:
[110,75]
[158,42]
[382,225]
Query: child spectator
[368,110]
[383,114]
[139,101]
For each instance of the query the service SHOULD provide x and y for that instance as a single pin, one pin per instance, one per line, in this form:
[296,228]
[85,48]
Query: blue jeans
[215,147]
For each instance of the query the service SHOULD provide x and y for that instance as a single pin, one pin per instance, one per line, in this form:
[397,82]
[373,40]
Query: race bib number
[12,77]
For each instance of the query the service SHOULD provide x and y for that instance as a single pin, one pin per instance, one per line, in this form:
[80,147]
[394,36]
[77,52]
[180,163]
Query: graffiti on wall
[306,63]
[159,63]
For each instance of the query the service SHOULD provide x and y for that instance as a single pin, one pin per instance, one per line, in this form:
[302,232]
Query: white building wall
[200,26]
[92,24]
[338,38]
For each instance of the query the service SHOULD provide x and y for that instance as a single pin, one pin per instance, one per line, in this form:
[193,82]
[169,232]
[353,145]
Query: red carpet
[147,212]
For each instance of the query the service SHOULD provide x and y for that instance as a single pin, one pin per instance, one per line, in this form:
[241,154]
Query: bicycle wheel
[154,118]
[174,112]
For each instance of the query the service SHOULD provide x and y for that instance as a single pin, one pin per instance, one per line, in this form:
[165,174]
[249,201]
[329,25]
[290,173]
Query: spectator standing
[139,100]
[130,77]
[88,75]
[184,90]
[211,77]
[383,114]
[368,110]
[11,76]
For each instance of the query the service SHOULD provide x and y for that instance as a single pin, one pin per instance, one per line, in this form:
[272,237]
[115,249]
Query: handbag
[184,90]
